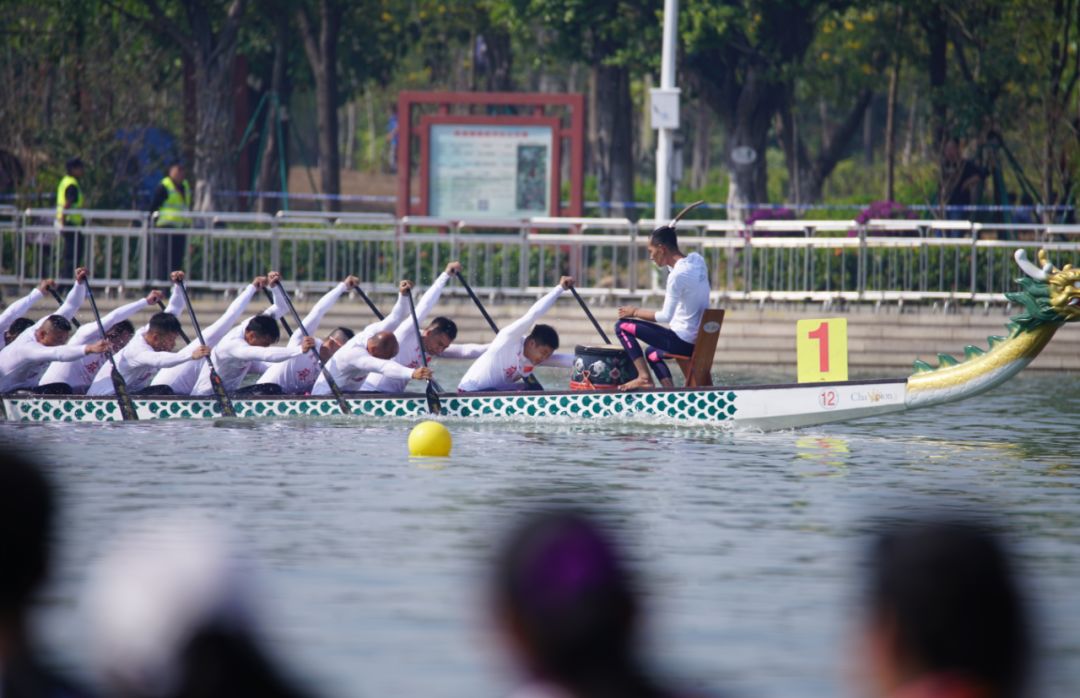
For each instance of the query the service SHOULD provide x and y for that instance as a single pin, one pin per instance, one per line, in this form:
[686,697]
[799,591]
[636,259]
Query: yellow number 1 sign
[821,348]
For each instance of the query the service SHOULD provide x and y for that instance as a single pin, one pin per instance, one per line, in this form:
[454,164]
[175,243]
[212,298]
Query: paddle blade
[127,407]
[434,404]
[219,392]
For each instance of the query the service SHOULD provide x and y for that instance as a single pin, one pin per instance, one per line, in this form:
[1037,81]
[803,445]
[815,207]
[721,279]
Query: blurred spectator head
[172,616]
[565,600]
[26,529]
[74,167]
[945,611]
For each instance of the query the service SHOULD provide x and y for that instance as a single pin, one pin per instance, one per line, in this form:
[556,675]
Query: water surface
[373,564]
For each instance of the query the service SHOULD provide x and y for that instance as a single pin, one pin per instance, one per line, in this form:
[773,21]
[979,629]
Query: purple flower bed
[883,209]
[767,214]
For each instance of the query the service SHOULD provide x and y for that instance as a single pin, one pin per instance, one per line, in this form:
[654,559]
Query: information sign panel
[479,170]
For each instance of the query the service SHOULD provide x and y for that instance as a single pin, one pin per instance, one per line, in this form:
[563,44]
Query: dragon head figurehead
[1049,295]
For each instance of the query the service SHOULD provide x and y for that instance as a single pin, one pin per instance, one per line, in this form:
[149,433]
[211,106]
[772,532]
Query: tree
[614,38]
[373,28]
[207,36]
[740,58]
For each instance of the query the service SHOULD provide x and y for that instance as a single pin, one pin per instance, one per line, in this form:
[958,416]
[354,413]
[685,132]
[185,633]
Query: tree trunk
[269,178]
[938,40]
[321,50]
[909,132]
[614,156]
[700,158]
[746,139]
[890,130]
[808,173]
[214,147]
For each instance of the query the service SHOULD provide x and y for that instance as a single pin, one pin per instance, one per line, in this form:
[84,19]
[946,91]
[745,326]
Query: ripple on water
[747,540]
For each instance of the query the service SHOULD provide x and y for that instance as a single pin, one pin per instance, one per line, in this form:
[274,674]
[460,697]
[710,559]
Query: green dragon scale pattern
[694,406]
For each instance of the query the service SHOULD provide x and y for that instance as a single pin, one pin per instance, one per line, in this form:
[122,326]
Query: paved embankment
[882,340]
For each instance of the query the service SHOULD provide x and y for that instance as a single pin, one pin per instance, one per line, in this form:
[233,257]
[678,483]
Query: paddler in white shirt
[180,380]
[24,360]
[686,299]
[372,351]
[150,350]
[437,337]
[517,350]
[247,348]
[12,322]
[296,376]
[75,377]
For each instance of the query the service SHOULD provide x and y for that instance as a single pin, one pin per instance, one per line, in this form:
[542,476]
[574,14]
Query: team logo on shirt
[303,374]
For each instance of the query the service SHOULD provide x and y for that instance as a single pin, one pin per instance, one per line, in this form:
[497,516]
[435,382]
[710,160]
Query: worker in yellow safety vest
[172,200]
[69,195]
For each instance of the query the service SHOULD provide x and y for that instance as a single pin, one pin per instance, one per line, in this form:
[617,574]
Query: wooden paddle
[284,323]
[590,315]
[127,407]
[530,380]
[223,401]
[60,301]
[343,404]
[434,404]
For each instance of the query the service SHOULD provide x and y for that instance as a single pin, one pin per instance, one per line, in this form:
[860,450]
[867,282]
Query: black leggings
[661,341]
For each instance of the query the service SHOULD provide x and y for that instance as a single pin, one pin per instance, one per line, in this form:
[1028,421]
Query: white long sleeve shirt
[409,344]
[138,362]
[182,378]
[16,310]
[234,357]
[352,364]
[23,361]
[686,296]
[79,374]
[297,375]
[504,363]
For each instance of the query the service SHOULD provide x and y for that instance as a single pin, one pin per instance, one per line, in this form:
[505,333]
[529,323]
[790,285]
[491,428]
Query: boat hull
[765,407]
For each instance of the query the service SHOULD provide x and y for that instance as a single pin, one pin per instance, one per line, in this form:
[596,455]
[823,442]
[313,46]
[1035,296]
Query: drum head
[600,349]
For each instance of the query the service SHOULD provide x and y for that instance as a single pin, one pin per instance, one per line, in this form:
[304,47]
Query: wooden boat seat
[697,368]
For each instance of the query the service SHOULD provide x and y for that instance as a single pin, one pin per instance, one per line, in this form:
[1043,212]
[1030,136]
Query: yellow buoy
[430,439]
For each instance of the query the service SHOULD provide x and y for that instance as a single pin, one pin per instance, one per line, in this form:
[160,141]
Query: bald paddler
[245,349]
[372,351]
[15,311]
[519,348]
[437,338]
[181,379]
[296,376]
[23,362]
[75,377]
[150,350]
[686,299]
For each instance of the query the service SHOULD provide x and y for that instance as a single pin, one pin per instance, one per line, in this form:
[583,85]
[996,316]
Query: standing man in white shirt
[245,349]
[686,299]
[518,348]
[296,376]
[24,361]
[437,339]
[372,351]
[16,310]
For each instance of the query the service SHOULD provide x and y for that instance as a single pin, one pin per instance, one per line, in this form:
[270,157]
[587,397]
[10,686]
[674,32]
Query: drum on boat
[601,367]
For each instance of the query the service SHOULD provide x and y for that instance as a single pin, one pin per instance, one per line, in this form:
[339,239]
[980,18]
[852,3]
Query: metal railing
[882,260]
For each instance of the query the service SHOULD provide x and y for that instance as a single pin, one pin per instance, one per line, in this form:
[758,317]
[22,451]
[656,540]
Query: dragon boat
[1050,297]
